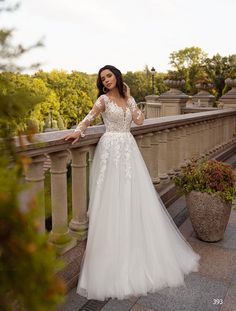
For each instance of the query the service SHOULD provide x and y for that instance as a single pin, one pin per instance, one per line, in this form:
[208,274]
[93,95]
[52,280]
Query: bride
[133,246]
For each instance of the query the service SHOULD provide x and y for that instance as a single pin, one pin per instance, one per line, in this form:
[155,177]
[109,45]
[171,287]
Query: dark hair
[119,80]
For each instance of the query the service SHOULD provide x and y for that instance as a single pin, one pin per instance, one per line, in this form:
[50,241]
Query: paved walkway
[213,288]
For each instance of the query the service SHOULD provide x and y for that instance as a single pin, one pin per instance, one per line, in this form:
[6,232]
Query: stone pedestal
[173,100]
[203,98]
[229,99]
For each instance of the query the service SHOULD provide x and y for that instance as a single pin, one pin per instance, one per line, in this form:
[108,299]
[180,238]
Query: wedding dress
[133,246]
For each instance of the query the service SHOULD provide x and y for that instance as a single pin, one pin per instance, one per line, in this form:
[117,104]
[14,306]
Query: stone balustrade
[166,143]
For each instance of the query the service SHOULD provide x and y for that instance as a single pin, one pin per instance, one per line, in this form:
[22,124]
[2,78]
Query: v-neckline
[121,107]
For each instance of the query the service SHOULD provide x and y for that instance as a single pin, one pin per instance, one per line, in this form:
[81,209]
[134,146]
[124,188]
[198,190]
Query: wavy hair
[119,80]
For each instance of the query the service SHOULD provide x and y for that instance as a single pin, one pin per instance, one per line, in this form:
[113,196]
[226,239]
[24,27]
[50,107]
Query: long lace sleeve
[98,107]
[137,115]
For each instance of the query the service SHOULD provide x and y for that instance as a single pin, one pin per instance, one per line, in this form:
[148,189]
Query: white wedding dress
[133,246]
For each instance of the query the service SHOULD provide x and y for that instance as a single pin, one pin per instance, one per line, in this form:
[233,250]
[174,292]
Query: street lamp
[51,109]
[153,72]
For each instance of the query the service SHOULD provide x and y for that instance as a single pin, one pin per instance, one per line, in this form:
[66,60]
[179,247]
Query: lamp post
[153,72]
[51,109]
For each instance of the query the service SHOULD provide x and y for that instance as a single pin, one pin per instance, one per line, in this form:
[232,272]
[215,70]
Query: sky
[85,35]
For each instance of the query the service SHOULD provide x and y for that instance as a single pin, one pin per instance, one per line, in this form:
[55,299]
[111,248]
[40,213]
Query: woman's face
[108,79]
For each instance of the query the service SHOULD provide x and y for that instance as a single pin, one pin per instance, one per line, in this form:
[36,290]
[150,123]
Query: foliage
[28,264]
[188,63]
[209,176]
[140,83]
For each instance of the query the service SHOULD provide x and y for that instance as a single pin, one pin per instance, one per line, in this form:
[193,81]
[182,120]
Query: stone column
[60,234]
[35,176]
[79,221]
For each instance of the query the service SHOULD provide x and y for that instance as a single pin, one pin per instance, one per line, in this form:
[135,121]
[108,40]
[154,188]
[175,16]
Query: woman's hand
[74,136]
[127,90]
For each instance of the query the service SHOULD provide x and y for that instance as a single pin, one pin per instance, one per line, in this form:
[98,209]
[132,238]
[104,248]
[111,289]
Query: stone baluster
[212,135]
[191,142]
[35,176]
[205,139]
[154,161]
[146,149]
[79,222]
[171,152]
[59,235]
[177,157]
[162,153]
[187,149]
[182,146]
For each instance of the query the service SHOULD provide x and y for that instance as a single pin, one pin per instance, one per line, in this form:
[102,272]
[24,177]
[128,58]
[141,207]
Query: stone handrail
[166,143]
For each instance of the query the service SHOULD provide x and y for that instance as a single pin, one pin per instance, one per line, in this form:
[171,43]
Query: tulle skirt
[133,246]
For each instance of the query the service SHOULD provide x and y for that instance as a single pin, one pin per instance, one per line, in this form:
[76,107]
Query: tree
[220,68]
[189,63]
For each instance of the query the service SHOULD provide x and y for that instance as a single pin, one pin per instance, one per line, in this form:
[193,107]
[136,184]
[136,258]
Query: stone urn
[174,86]
[209,215]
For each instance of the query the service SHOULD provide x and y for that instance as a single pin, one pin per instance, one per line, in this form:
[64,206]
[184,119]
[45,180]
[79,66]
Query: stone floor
[212,288]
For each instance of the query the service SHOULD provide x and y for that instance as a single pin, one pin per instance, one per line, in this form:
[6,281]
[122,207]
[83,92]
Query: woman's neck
[114,93]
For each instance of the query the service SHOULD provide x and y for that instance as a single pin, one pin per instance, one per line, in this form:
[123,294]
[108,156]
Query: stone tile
[233,280]
[229,240]
[229,302]
[118,305]
[175,208]
[138,307]
[73,302]
[197,295]
[186,229]
[216,262]
[232,219]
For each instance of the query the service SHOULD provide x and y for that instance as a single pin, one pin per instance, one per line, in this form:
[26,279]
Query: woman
[133,245]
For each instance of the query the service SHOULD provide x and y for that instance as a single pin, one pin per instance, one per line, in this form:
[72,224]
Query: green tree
[220,68]
[189,62]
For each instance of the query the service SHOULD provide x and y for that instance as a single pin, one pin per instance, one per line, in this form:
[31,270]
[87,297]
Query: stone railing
[166,143]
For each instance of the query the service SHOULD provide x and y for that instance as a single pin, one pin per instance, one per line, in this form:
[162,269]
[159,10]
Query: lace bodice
[116,118]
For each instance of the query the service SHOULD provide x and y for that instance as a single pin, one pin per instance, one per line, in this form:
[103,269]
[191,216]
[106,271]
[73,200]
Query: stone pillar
[60,234]
[229,99]
[204,98]
[35,176]
[79,221]
[173,100]
[153,106]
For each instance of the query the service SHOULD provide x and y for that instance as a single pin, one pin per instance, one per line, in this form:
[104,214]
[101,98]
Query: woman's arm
[137,115]
[98,107]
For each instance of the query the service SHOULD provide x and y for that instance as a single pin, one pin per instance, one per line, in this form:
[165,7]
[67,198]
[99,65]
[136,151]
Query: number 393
[217,301]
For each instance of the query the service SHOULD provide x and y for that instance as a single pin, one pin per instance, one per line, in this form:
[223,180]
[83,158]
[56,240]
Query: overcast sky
[84,35]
